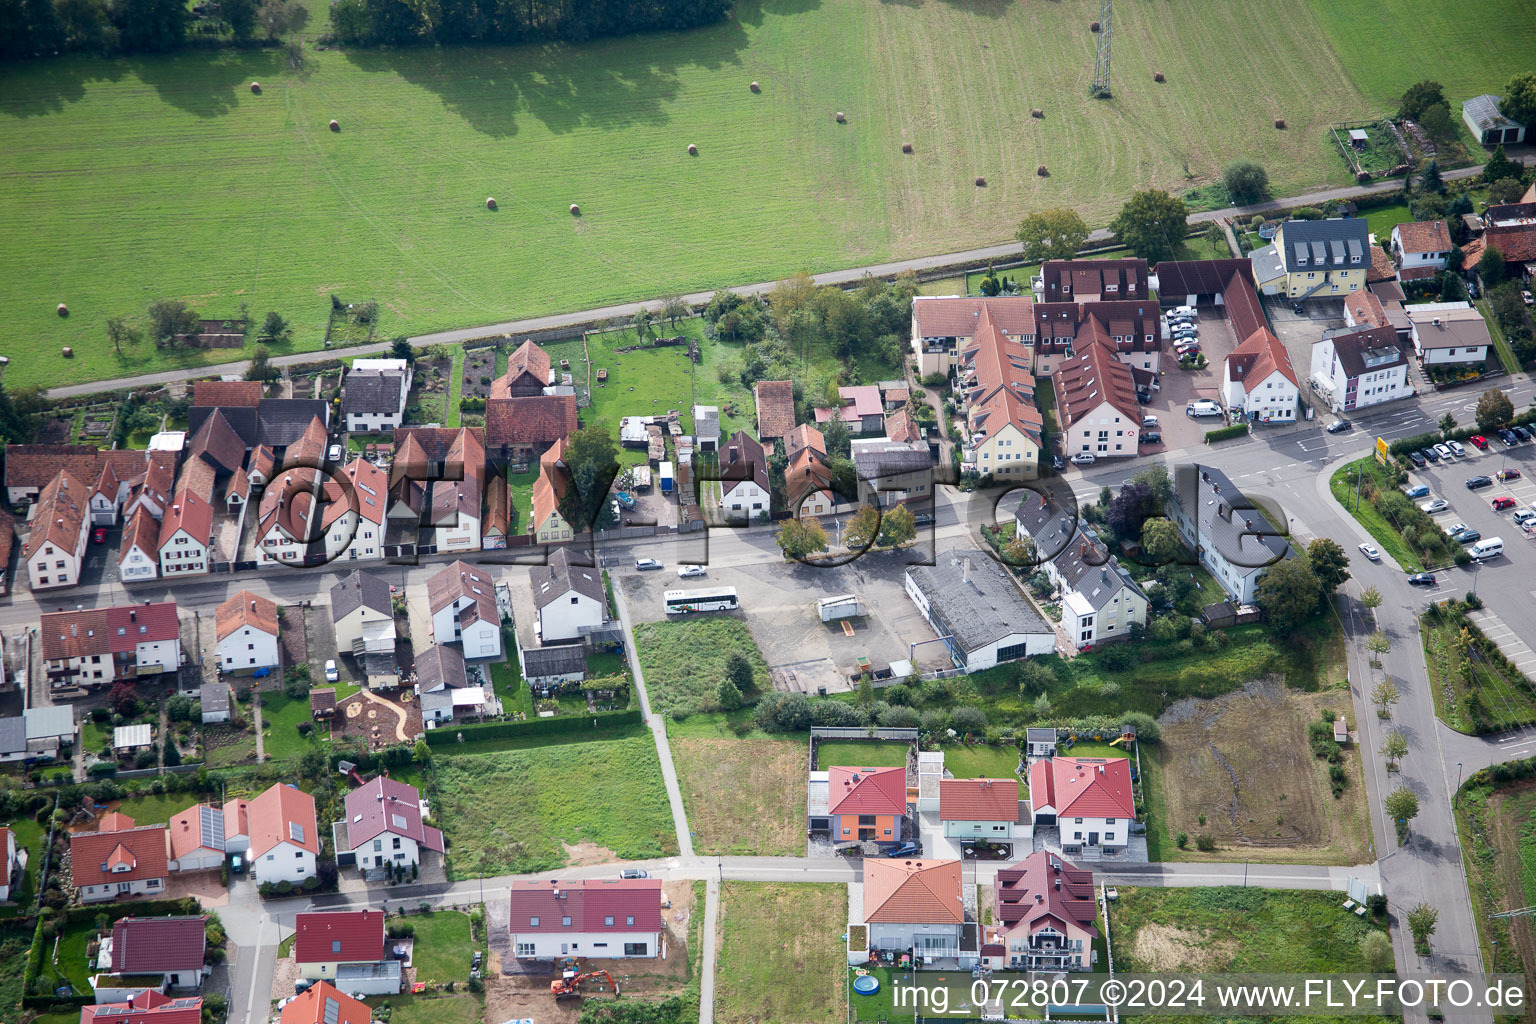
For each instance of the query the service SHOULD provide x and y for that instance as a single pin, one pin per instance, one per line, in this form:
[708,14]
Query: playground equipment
[866,984]
[568,985]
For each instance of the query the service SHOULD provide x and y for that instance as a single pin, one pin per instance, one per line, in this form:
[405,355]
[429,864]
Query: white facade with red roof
[1046,916]
[385,825]
[1088,799]
[979,808]
[284,837]
[197,838]
[186,534]
[335,944]
[1258,381]
[941,325]
[613,919]
[124,862]
[94,647]
[149,1008]
[169,949]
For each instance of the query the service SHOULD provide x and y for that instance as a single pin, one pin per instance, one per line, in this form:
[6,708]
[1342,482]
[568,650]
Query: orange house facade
[858,804]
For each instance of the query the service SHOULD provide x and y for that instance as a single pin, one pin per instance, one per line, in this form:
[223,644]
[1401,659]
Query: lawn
[743,796]
[507,681]
[1365,512]
[982,762]
[29,837]
[513,811]
[684,660]
[280,718]
[1476,690]
[432,1009]
[73,965]
[782,957]
[522,494]
[442,947]
[154,808]
[251,199]
[861,754]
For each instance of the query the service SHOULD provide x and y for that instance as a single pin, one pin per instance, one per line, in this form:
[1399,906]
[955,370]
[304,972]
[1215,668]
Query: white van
[1487,548]
[1204,407]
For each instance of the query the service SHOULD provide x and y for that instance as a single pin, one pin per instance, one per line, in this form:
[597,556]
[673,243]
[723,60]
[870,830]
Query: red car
[1480,441]
[1508,474]
[1500,504]
[99,535]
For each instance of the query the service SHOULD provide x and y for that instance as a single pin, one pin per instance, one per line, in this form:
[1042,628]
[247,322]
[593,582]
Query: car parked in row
[1151,437]
[1457,449]
[1478,482]
[1437,505]
[1479,442]
[1421,491]
[1418,460]
[1523,516]
[1422,579]
[1467,536]
[1508,474]
[1503,504]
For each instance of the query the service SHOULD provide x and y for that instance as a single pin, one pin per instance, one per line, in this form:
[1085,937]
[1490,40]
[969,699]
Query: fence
[833,732]
[586,722]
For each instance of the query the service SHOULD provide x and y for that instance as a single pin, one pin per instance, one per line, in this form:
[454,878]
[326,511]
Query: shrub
[1182,839]
[1205,842]
[1226,433]
[968,719]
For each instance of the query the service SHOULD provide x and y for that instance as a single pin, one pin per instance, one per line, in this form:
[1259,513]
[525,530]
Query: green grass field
[432,1008]
[250,199]
[606,793]
[860,754]
[770,933]
[684,660]
[442,948]
[280,718]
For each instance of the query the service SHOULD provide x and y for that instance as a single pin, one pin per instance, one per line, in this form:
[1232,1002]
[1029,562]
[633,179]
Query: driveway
[1298,332]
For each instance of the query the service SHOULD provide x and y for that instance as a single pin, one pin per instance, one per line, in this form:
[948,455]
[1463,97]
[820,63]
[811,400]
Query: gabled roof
[149,622]
[135,853]
[1043,887]
[1365,309]
[1368,350]
[741,460]
[560,577]
[371,392]
[913,892]
[231,393]
[806,474]
[1335,243]
[858,402]
[384,805]
[527,370]
[561,660]
[34,465]
[867,790]
[1068,279]
[322,1003]
[1485,113]
[899,426]
[976,600]
[358,590]
[282,814]
[978,799]
[59,516]
[199,827]
[1260,355]
[1226,521]
[1089,379]
[804,436]
[283,421]
[440,667]
[217,444]
[775,407]
[1422,236]
[158,945]
[549,487]
[1448,325]
[593,905]
[190,513]
[245,609]
[529,420]
[460,580]
[117,630]
[370,486]
[950,317]
[360,932]
[498,508]
[149,1007]
[1083,787]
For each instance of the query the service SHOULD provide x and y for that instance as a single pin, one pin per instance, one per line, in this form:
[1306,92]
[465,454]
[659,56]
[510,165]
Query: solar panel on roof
[398,820]
[332,1011]
[212,836]
[295,831]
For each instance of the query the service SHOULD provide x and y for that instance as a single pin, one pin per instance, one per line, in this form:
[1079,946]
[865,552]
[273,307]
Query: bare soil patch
[1162,947]
[582,854]
[743,796]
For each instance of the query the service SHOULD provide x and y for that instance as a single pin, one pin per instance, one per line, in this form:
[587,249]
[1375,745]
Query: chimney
[253,606]
[133,615]
[1101,769]
[1058,885]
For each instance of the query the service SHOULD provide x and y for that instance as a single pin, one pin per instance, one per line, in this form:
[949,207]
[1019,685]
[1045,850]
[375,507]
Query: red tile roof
[282,814]
[867,790]
[1068,279]
[527,372]
[1042,887]
[323,1004]
[245,609]
[59,516]
[913,892]
[186,830]
[155,945]
[149,1007]
[190,513]
[947,317]
[1423,236]
[141,850]
[384,805]
[775,407]
[899,426]
[360,933]
[116,821]
[370,486]
[1090,378]
[1517,244]
[118,630]
[229,393]
[460,580]
[978,799]
[34,465]
[593,905]
[1083,787]
[549,486]
[1365,309]
[1260,355]
[858,402]
[804,436]
[531,420]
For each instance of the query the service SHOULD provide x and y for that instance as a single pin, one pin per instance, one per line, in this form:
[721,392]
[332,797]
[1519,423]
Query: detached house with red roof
[608,918]
[246,631]
[322,1003]
[122,862]
[149,1008]
[1088,799]
[150,954]
[56,544]
[979,808]
[346,948]
[385,824]
[858,804]
[1421,248]
[1046,914]
[1259,383]
[284,839]
[921,906]
[461,599]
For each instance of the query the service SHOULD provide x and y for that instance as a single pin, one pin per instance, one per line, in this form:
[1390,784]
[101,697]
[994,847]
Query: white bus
[711,599]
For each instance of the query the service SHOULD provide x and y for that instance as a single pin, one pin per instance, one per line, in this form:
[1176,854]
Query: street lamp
[1457,791]
[1245,872]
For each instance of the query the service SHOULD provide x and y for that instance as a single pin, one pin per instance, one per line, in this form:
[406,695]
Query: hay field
[130,180]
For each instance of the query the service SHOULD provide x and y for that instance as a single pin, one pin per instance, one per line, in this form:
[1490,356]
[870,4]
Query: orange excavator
[568,985]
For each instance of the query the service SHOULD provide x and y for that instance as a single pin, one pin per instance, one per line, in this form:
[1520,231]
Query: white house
[979,808]
[1258,382]
[1448,333]
[150,954]
[385,825]
[1361,368]
[972,603]
[56,544]
[374,394]
[1096,404]
[95,647]
[1234,539]
[186,531]
[706,427]
[1421,248]
[1099,600]
[443,690]
[197,839]
[917,906]
[356,533]
[608,918]
[568,598]
[283,835]
[246,633]
[362,615]
[744,487]
[125,861]
[1087,799]
[462,602]
[348,948]
[139,557]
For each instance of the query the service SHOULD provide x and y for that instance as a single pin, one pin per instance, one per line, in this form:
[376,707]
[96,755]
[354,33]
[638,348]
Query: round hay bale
[575,210]
[842,118]
[69,353]
[693,150]
[256,88]
[1037,112]
[63,310]
[756,88]
[1042,172]
[335,126]
[906,147]
[1093,27]
[981,182]
[490,203]
[1157,76]
[1280,123]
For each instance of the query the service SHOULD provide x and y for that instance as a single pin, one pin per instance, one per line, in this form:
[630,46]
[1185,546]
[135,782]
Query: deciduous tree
[1421,921]
[862,529]
[1370,598]
[1498,166]
[1438,122]
[1160,541]
[739,671]
[1378,644]
[1447,425]
[1491,267]
[170,320]
[897,527]
[120,333]
[1054,234]
[1494,409]
[1394,748]
[1151,224]
[1402,806]
[1329,564]
[1519,100]
[592,461]
[261,367]
[1247,181]
[275,328]
[1385,694]
[1289,593]
[1420,95]
[801,537]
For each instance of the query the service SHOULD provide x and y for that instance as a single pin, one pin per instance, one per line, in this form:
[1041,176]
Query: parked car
[1444,451]
[1438,505]
[1521,432]
[1503,503]
[1525,297]
[1457,449]
[334,454]
[1058,463]
[1430,454]
[1421,491]
[1192,349]
[688,572]
[904,850]
[1151,437]
[647,564]
[1185,333]
[1422,579]
[1523,516]
[1456,528]
[1508,437]
[1337,426]
[1467,536]
[633,873]
[1202,407]
[1418,460]
[1370,551]
[1149,420]
[1508,474]
[1479,441]
[99,535]
[1477,482]
[1083,459]
[1182,309]
[331,674]
[922,519]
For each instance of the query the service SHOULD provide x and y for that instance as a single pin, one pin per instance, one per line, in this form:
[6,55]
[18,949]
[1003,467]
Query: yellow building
[1314,259]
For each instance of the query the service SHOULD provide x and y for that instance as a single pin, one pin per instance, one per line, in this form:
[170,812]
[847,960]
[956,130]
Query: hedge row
[1226,433]
[74,915]
[1403,445]
[447,737]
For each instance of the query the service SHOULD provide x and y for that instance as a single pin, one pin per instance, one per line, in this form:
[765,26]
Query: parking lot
[1298,332]
[1448,479]
[1180,387]
[778,604]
